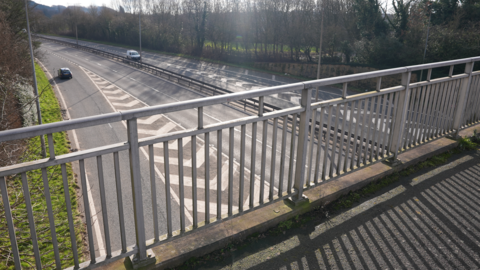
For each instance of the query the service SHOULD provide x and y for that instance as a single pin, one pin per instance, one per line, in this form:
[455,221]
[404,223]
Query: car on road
[133,55]
[65,73]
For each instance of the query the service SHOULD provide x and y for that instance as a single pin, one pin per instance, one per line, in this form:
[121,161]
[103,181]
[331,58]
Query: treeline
[284,30]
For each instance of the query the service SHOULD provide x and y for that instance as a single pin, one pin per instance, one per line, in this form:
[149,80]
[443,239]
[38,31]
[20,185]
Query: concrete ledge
[217,236]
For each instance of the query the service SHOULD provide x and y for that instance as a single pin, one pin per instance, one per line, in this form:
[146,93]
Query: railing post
[140,258]
[460,107]
[302,149]
[400,118]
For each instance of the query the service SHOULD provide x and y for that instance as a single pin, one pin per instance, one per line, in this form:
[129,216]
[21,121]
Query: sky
[84,3]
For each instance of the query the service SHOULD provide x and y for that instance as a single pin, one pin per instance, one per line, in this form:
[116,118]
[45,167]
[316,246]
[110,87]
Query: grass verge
[50,113]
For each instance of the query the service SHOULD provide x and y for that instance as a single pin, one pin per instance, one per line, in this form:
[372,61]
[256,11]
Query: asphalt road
[228,77]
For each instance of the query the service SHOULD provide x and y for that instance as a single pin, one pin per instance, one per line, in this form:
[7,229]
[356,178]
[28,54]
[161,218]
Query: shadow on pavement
[428,220]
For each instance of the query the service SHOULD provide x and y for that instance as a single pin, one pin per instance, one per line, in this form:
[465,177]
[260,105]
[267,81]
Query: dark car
[65,73]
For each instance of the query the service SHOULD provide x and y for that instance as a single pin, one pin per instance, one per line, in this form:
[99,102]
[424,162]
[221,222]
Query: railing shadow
[429,220]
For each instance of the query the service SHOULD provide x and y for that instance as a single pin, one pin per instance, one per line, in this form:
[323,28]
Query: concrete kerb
[217,236]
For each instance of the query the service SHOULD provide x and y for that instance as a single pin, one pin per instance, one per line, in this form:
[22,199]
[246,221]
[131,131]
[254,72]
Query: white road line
[96,226]
[114,70]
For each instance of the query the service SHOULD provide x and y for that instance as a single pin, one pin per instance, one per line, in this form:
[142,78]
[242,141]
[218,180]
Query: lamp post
[37,101]
[140,27]
[320,49]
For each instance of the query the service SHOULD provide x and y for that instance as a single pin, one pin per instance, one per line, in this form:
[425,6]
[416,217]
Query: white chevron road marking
[165,129]
[119,98]
[110,86]
[113,92]
[150,120]
[130,104]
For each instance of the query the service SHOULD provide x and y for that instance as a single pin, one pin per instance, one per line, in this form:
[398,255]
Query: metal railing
[349,132]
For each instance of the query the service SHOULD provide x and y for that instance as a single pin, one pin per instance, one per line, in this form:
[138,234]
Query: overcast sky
[84,3]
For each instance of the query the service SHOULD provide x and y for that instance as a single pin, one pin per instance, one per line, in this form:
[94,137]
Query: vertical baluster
[31,222]
[103,201]
[327,143]
[319,145]
[382,117]
[51,146]
[118,183]
[433,113]
[242,168]
[334,141]
[362,131]
[252,164]
[441,109]
[181,185]
[408,119]
[219,174]
[419,118]
[167,188]
[453,106]
[153,192]
[426,114]
[193,143]
[136,187]
[342,137]
[292,154]
[416,117]
[207,178]
[356,136]
[71,227]
[313,126]
[283,154]
[349,135]
[231,147]
[11,226]
[393,112]
[273,159]
[48,200]
[368,141]
[453,103]
[86,207]
[263,161]
[446,108]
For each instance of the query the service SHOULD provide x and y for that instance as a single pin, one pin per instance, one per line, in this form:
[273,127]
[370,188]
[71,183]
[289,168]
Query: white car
[133,55]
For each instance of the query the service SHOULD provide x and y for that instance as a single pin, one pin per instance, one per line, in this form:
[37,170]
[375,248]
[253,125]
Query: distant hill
[54,10]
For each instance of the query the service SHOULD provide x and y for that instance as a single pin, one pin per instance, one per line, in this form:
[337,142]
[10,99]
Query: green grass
[50,113]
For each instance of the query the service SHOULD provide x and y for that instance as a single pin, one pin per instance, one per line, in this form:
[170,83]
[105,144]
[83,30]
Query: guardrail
[240,176]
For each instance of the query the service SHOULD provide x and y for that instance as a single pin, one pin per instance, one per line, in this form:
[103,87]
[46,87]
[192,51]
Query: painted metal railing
[273,159]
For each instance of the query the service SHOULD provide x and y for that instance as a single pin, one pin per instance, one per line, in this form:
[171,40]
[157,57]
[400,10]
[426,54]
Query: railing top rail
[28,132]
[33,131]
[386,72]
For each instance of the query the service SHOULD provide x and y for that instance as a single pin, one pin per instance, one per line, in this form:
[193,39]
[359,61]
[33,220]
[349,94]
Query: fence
[272,159]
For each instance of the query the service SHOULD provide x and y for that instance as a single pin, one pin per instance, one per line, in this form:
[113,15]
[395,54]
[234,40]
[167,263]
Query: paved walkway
[429,220]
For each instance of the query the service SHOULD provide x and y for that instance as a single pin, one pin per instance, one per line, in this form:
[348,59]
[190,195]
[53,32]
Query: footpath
[427,220]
